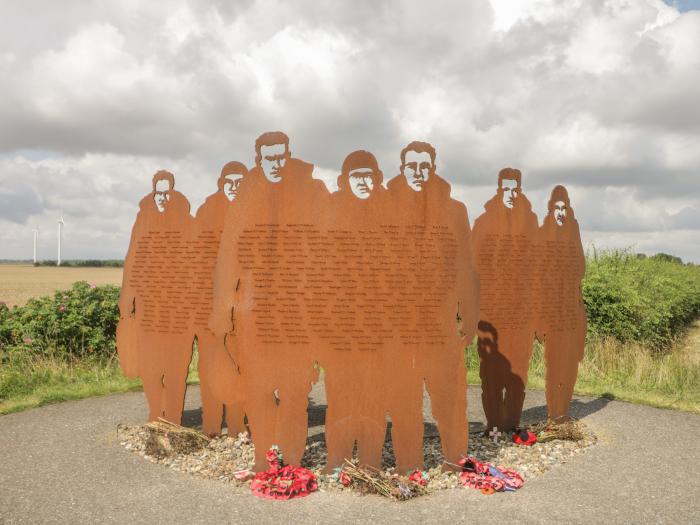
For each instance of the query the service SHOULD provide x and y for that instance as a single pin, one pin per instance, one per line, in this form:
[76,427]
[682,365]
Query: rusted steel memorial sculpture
[505,238]
[266,270]
[217,370]
[561,315]
[437,293]
[380,285]
[154,336]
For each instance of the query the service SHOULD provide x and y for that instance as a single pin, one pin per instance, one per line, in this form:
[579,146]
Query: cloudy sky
[600,95]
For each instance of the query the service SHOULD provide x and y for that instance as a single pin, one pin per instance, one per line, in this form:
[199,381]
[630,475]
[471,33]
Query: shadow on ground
[317,417]
[579,409]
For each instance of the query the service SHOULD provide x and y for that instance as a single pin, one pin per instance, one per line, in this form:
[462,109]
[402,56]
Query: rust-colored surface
[260,280]
[561,320]
[154,336]
[433,284]
[367,283]
[504,240]
[352,323]
[219,379]
[382,289]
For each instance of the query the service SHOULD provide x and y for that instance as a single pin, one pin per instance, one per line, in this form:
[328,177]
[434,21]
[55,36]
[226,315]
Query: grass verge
[610,369]
[40,380]
[623,371]
[30,383]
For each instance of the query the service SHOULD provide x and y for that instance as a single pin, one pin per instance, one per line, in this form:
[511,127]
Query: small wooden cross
[495,434]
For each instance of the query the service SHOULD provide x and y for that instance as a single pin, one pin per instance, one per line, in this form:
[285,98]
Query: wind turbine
[36,238]
[60,226]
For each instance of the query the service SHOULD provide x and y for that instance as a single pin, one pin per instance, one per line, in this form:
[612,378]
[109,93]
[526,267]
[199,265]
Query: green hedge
[77,322]
[647,300]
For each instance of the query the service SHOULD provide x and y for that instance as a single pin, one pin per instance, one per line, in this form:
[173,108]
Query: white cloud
[507,13]
[601,96]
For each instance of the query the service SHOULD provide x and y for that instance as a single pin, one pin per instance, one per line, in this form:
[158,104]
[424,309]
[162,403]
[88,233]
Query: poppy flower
[419,476]
[274,457]
[344,478]
[524,437]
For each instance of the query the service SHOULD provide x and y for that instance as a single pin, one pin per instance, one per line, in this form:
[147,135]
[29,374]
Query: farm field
[20,282]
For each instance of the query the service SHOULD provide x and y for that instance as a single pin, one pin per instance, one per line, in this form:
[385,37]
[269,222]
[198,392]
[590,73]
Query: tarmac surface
[63,464]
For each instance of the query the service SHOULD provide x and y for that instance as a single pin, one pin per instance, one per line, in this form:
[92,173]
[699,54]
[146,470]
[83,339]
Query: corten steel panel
[436,286]
[366,283]
[258,280]
[561,319]
[219,379]
[504,242]
[155,328]
[355,328]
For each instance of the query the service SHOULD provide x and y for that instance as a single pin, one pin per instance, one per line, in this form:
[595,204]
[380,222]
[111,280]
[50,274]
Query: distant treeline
[666,258]
[86,263]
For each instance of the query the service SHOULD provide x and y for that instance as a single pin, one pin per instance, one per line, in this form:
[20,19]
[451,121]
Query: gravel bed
[226,455]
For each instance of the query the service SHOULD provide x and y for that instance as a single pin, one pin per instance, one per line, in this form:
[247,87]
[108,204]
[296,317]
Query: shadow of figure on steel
[154,334]
[276,365]
[220,383]
[561,319]
[505,237]
[488,347]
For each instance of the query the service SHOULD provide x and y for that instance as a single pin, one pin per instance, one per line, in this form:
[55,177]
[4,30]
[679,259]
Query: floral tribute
[524,437]
[340,475]
[370,480]
[420,477]
[488,478]
[282,481]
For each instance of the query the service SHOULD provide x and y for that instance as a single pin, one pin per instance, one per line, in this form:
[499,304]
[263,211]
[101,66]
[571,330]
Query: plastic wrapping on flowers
[488,478]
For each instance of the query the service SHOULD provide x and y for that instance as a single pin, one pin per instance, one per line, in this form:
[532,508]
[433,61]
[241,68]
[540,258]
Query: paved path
[63,464]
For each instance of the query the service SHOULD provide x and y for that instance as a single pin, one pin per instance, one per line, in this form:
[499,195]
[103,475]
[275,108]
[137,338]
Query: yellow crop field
[20,282]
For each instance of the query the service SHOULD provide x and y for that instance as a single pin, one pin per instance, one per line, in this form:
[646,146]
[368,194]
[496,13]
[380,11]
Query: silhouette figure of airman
[218,375]
[276,359]
[153,302]
[354,388]
[442,301]
[561,319]
[504,241]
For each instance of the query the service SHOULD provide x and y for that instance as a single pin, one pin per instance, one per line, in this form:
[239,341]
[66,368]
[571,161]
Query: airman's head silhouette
[509,186]
[271,154]
[163,184]
[360,173]
[417,164]
[559,206]
[230,179]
